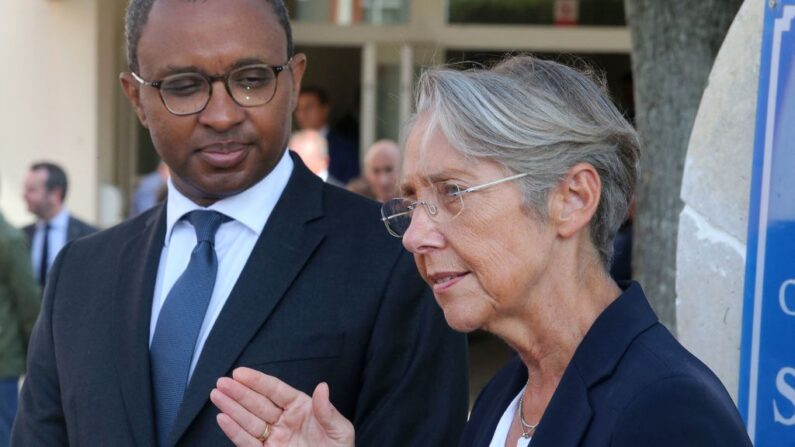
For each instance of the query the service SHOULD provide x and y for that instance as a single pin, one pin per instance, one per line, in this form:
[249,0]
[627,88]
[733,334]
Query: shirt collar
[252,207]
[61,220]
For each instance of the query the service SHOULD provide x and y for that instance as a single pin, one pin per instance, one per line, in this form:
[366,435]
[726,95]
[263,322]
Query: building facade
[62,101]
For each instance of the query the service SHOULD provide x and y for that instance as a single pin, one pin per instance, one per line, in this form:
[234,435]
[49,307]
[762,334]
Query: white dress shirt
[504,426]
[55,240]
[234,242]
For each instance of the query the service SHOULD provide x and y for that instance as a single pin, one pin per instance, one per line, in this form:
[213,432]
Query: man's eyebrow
[248,61]
[181,69]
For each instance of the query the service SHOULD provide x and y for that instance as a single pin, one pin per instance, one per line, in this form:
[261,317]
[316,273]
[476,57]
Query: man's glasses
[447,203]
[189,93]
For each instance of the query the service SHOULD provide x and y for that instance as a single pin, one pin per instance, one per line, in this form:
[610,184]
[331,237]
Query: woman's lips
[223,156]
[444,281]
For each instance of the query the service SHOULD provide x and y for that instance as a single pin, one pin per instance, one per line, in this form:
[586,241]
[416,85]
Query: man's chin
[214,187]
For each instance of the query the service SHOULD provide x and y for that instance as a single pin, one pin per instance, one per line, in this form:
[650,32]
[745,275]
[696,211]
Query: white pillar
[406,81]
[344,12]
[369,93]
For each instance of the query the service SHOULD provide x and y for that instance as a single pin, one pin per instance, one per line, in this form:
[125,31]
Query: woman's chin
[462,321]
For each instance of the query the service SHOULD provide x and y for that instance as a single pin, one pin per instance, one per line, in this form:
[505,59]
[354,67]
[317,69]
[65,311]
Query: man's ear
[575,200]
[132,90]
[297,69]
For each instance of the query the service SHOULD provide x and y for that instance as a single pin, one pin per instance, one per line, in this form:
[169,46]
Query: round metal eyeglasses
[188,93]
[447,203]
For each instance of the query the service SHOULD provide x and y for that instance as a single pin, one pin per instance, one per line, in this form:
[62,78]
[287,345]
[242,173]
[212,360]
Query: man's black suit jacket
[326,295]
[75,228]
[629,384]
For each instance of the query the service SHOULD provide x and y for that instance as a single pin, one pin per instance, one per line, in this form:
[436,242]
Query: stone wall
[715,190]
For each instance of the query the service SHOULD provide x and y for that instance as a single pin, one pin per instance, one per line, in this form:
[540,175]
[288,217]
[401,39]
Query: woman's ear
[574,201]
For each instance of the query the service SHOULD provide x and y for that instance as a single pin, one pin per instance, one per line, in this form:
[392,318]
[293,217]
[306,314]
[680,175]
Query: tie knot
[206,223]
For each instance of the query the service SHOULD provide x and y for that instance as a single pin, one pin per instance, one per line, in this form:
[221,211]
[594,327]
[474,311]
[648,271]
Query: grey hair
[538,117]
[138,14]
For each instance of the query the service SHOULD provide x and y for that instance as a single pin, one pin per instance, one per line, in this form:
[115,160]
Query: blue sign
[767,370]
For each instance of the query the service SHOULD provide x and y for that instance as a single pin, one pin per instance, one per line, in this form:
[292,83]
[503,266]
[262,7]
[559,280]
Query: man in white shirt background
[45,192]
[312,147]
[312,112]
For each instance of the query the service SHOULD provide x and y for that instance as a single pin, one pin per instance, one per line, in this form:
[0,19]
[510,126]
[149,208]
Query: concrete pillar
[369,93]
[715,190]
[406,82]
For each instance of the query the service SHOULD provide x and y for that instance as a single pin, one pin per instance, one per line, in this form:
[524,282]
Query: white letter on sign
[787,391]
[782,297]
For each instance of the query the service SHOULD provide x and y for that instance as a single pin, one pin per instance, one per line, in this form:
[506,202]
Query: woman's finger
[258,404]
[274,389]
[243,418]
[235,433]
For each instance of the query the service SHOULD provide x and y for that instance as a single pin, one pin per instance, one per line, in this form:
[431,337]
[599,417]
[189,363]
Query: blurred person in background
[46,185]
[515,181]
[19,306]
[381,164]
[312,147]
[312,113]
[360,186]
[150,190]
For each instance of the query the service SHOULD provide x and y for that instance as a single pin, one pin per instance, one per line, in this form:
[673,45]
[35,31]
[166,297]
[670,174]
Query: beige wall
[49,101]
[715,191]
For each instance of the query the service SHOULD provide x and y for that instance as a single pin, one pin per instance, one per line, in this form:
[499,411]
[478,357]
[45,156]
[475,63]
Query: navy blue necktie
[180,320]
[45,255]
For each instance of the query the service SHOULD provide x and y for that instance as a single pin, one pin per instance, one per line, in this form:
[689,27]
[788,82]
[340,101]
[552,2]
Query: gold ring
[265,433]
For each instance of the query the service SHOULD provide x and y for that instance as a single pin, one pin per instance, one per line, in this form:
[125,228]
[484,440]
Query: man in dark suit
[45,193]
[252,261]
[312,114]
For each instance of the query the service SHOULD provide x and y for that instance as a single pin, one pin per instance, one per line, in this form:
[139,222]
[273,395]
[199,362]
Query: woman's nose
[422,234]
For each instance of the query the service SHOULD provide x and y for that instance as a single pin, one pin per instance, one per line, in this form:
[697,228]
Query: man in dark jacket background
[19,306]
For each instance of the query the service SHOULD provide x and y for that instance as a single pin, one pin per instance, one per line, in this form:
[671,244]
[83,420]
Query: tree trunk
[674,43]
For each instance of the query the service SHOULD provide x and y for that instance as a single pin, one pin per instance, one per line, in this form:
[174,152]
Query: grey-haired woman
[515,180]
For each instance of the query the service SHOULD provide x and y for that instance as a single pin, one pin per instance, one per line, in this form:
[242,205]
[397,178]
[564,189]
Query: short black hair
[138,13]
[56,177]
[319,93]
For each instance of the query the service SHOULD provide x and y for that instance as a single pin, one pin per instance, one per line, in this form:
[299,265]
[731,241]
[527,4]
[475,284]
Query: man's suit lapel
[283,248]
[71,230]
[131,313]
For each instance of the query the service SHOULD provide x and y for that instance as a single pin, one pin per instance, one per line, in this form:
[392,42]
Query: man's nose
[222,112]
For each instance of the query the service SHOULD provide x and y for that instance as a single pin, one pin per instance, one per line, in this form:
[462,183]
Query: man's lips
[224,154]
[441,281]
